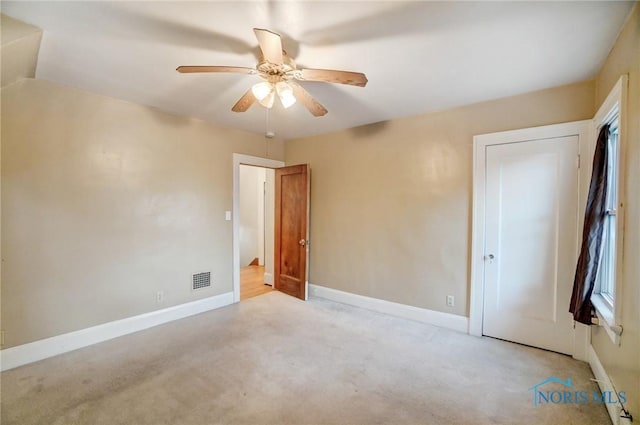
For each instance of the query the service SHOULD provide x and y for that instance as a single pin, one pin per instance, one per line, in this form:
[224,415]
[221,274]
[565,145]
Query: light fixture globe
[267,101]
[262,90]
[285,93]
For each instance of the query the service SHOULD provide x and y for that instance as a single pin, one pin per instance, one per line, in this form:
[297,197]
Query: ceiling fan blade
[270,44]
[236,69]
[303,96]
[245,102]
[332,76]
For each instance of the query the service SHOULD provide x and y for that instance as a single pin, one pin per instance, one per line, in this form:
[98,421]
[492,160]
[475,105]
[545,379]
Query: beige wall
[104,203]
[391,202]
[623,363]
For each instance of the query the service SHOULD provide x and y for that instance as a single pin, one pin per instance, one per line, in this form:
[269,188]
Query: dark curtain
[592,232]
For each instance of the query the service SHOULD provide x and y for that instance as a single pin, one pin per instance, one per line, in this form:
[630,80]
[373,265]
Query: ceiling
[418,56]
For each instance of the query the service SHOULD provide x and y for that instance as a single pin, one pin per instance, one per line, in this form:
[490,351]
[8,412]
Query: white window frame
[608,309]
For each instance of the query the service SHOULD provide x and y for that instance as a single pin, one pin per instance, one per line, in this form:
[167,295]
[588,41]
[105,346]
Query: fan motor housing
[273,69]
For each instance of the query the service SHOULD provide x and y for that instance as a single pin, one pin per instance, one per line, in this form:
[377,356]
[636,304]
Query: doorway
[238,161]
[291,227]
[257,208]
[525,235]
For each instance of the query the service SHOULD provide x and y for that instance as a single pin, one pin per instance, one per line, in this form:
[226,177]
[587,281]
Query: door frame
[582,129]
[242,159]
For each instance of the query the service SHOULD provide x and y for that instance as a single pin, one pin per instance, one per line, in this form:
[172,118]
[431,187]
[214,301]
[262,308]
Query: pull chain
[266,134]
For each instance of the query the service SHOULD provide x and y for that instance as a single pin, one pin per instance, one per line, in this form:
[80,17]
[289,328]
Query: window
[606,278]
[607,293]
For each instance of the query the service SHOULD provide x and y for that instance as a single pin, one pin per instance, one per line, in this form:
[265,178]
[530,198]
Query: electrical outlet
[160,296]
[450,300]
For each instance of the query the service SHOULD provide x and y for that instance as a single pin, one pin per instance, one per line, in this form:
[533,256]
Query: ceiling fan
[280,75]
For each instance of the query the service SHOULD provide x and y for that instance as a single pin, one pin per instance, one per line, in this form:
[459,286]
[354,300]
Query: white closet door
[530,244]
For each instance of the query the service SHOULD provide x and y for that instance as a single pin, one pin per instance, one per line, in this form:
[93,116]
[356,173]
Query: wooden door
[291,230]
[531,232]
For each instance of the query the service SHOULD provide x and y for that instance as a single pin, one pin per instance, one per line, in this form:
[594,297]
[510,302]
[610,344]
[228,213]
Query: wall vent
[201,280]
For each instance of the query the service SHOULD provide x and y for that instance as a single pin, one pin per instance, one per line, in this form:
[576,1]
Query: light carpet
[277,360]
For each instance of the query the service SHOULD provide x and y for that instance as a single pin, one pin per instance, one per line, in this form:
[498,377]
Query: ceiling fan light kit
[280,73]
[264,93]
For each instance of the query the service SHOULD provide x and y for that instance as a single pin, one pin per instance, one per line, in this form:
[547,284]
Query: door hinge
[578,161]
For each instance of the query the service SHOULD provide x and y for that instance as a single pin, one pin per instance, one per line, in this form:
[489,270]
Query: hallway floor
[252,282]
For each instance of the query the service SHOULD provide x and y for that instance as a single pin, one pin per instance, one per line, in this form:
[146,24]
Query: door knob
[302,242]
[489,257]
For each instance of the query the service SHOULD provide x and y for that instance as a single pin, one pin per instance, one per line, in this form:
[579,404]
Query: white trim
[34,351]
[604,382]
[436,318]
[268,278]
[480,143]
[246,160]
[606,319]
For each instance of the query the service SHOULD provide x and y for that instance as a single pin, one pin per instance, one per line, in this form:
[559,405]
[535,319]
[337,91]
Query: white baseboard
[436,318]
[604,382]
[28,353]
[268,278]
